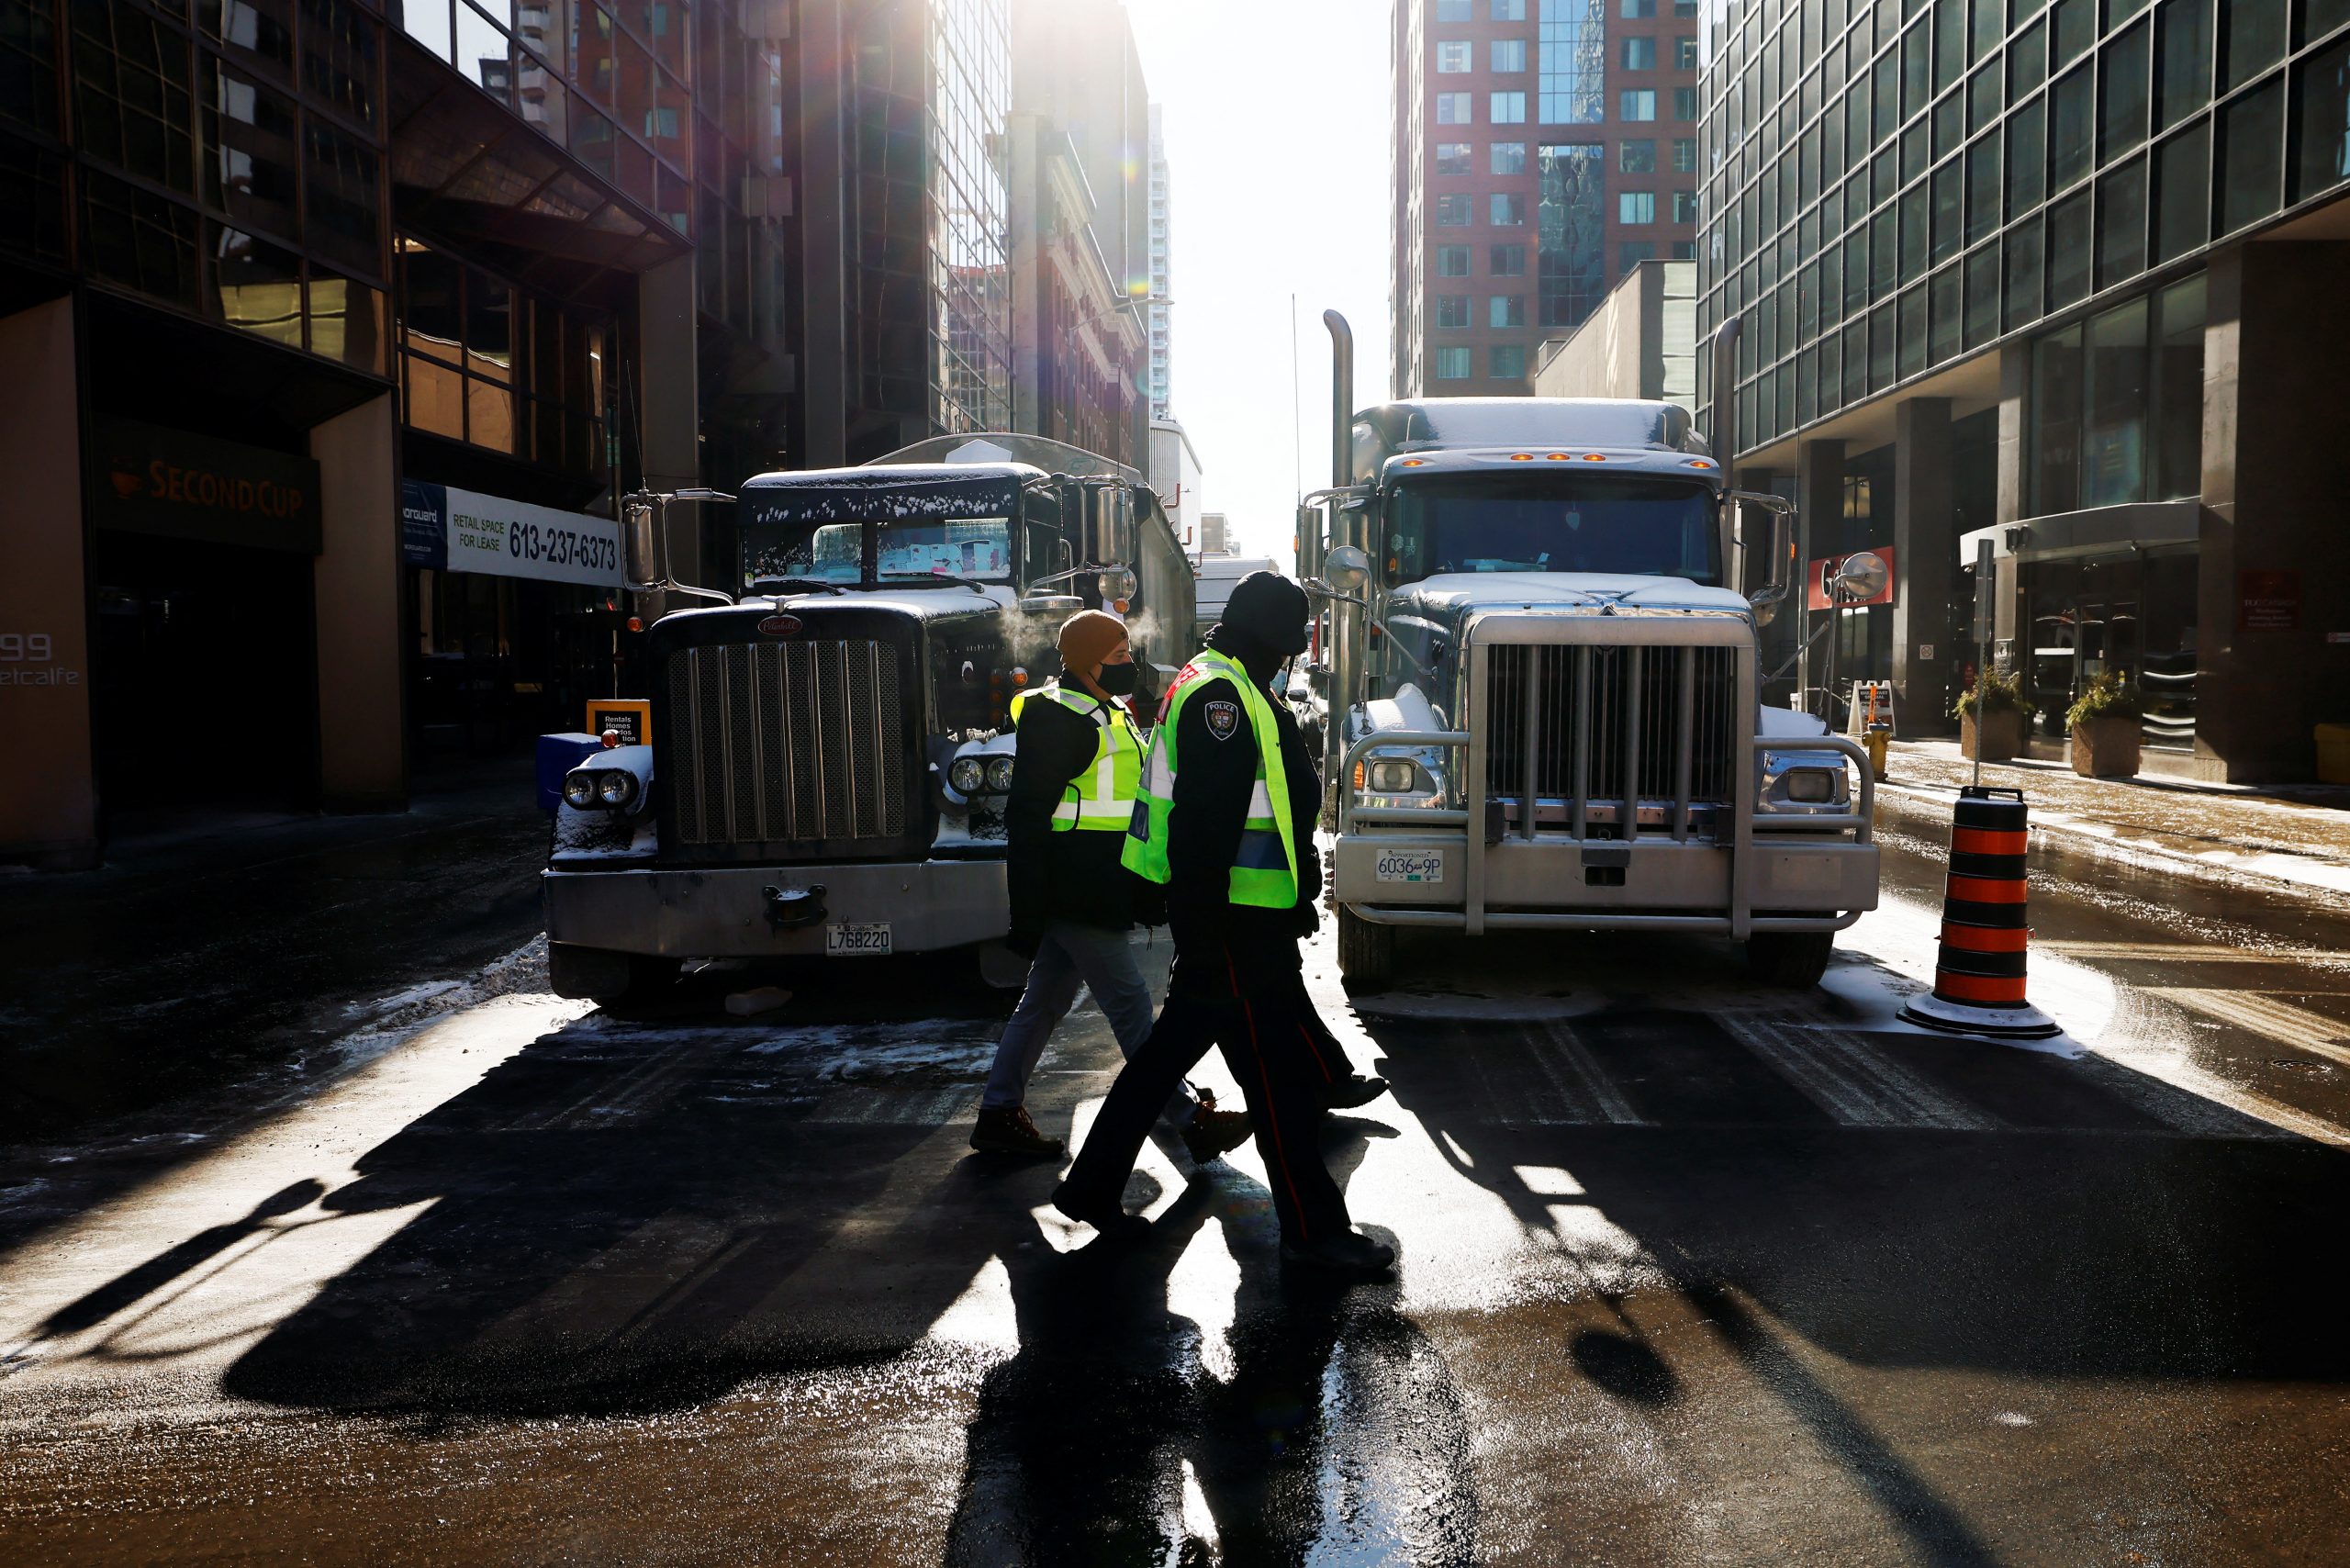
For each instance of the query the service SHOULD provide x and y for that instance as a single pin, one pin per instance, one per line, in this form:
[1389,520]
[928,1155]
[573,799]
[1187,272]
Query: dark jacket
[1213,781]
[1074,876]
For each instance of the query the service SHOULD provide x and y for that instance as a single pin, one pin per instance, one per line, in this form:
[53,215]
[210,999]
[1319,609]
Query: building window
[1506,362]
[1572,268]
[1685,249]
[1452,10]
[1685,103]
[1636,157]
[2250,156]
[1632,252]
[2118,404]
[1638,10]
[1451,310]
[483,363]
[1507,157]
[1506,261]
[1639,53]
[1685,206]
[1453,261]
[1572,46]
[1507,210]
[1455,59]
[1685,154]
[1505,310]
[1635,206]
[1452,211]
[1636,106]
[2254,40]
[1508,56]
[1452,108]
[1508,10]
[1683,10]
[1452,157]
[1508,108]
[1452,364]
[1685,53]
[2182,60]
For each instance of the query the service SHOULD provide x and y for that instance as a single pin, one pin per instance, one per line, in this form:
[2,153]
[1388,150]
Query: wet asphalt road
[1691,1272]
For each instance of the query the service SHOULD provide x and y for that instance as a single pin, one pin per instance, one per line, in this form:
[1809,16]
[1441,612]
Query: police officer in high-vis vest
[1224,820]
[1074,774]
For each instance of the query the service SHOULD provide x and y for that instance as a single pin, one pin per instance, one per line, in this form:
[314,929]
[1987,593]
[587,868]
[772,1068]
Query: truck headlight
[1811,786]
[579,790]
[968,775]
[1390,776]
[616,788]
[999,775]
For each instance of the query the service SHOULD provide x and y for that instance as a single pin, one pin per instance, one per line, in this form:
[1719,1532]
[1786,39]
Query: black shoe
[1211,1134]
[1348,1252]
[1115,1222]
[1356,1090]
[1007,1130]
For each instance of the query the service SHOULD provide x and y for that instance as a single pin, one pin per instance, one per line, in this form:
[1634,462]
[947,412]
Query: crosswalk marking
[2264,1015]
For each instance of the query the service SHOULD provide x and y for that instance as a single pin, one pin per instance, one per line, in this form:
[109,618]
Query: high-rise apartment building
[2064,278]
[1540,148]
[1160,357]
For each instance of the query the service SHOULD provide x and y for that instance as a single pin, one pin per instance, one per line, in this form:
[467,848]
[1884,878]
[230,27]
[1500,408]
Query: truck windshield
[974,549]
[1583,523]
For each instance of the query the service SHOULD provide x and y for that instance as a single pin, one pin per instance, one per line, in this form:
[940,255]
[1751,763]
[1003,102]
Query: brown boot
[1007,1130]
[1211,1133]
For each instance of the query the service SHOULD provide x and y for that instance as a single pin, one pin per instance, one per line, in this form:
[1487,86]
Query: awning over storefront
[463,531]
[2106,531]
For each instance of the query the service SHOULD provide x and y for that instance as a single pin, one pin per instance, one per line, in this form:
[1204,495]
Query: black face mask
[1118,680]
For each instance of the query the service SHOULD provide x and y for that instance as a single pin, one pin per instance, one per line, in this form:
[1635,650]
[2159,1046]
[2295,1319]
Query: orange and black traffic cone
[1979,975]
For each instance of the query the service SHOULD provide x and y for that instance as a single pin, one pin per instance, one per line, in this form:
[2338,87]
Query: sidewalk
[2295,835]
[204,949]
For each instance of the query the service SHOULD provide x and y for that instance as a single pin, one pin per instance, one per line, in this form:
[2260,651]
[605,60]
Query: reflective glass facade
[970,254]
[1572,259]
[1887,189]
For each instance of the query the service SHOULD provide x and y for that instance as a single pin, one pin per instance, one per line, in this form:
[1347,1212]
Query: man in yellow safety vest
[1224,818]
[1073,903]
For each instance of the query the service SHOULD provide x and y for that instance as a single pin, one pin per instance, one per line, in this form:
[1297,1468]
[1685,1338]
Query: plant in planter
[1996,734]
[2104,721]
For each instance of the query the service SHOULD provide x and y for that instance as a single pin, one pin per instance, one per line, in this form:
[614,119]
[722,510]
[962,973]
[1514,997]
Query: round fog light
[616,788]
[966,774]
[999,775]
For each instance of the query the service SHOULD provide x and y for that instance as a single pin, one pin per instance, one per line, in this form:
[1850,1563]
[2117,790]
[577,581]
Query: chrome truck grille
[1607,740]
[775,743]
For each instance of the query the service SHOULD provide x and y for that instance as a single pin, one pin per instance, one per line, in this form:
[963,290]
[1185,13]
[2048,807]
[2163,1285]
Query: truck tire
[1366,951]
[1791,960]
[608,978]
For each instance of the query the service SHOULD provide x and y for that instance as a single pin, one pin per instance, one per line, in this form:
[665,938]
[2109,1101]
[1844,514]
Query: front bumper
[726,912]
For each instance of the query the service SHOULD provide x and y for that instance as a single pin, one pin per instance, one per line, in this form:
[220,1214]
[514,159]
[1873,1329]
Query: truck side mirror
[1116,583]
[641,547]
[1767,598]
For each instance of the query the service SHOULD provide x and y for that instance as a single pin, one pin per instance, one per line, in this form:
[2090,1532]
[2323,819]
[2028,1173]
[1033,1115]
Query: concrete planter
[2002,735]
[2107,748]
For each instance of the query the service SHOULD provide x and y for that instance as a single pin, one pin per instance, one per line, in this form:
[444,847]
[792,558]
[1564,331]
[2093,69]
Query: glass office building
[2057,276]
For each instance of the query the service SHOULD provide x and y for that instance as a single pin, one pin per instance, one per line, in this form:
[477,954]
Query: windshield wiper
[768,585]
[944,579]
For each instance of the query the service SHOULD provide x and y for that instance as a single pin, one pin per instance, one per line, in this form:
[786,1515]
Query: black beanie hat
[1269,609]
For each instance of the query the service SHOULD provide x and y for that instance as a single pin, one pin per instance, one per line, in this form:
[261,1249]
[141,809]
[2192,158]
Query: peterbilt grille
[787,740]
[1604,728]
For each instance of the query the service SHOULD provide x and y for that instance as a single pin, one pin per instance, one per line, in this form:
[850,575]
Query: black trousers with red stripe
[1277,1055]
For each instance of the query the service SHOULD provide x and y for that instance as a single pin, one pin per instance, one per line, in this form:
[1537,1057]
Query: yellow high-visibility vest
[1264,869]
[1102,798]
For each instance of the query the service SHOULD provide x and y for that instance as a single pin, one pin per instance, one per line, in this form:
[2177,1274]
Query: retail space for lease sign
[463,531]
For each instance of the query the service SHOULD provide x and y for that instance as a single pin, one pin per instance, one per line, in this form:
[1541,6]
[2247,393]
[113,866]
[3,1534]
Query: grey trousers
[1070,955]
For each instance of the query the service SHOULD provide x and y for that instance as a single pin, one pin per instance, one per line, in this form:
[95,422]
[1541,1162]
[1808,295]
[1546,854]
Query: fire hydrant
[1873,740]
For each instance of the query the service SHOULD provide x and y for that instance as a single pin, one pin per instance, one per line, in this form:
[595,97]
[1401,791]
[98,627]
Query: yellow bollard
[1873,741]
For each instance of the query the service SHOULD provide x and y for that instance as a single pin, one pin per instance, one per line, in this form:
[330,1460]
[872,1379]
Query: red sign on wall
[1822,572]
[2268,601]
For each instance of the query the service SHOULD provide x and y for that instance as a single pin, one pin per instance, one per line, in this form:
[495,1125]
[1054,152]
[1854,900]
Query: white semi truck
[1543,682]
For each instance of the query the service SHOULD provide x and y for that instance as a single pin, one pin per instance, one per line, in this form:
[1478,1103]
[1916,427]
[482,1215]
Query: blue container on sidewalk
[558,755]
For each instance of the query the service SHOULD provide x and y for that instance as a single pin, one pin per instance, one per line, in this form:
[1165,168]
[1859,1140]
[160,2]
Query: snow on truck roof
[1619,422]
[910,490]
[1233,568]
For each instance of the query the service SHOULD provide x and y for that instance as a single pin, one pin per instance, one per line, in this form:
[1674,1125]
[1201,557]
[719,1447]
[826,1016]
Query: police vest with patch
[1264,870]
[1101,798]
